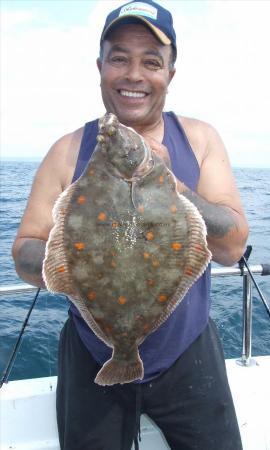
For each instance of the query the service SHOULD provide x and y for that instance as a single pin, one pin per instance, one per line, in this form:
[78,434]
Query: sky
[50,82]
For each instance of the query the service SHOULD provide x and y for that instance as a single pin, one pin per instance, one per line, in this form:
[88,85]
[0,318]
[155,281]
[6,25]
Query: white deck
[27,411]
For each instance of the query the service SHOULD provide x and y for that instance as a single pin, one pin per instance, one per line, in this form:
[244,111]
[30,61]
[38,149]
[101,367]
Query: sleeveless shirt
[163,347]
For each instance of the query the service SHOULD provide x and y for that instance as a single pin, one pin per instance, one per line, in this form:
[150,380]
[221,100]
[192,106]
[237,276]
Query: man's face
[135,72]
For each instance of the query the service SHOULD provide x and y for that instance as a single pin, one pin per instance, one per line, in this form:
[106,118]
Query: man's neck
[153,130]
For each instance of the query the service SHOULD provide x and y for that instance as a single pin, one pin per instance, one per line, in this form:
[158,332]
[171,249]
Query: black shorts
[191,402]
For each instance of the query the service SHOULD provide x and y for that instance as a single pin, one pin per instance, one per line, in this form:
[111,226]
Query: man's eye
[153,64]
[118,60]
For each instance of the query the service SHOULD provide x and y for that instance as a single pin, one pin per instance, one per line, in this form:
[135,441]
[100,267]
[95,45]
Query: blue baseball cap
[157,18]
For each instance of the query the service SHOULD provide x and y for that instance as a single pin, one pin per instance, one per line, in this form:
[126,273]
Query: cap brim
[158,33]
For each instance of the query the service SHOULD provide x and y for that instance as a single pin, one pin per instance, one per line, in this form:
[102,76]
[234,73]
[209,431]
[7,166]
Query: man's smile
[134,94]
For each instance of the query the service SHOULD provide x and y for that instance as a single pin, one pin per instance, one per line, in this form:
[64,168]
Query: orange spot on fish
[122,300]
[162,298]
[155,262]
[101,216]
[114,225]
[146,327]
[161,179]
[81,199]
[113,263]
[146,255]
[91,172]
[141,208]
[91,295]
[188,271]
[176,246]
[173,209]
[79,245]
[150,236]
[60,269]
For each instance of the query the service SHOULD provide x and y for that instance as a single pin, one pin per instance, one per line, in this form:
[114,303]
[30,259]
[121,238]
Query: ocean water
[37,356]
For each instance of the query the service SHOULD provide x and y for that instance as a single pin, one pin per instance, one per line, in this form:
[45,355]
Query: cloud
[50,83]
[11,19]
[224,74]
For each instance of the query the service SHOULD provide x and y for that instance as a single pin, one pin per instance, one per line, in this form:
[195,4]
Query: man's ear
[99,64]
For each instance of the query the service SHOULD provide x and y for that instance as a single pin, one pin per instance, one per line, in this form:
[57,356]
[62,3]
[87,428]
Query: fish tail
[120,371]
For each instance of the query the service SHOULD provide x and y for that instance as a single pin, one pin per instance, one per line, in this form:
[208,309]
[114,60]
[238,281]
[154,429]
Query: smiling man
[135,74]
[185,388]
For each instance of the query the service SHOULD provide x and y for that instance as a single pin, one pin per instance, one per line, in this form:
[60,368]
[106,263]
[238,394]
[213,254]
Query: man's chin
[131,118]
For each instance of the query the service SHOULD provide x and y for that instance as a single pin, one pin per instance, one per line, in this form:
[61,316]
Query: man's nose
[135,71]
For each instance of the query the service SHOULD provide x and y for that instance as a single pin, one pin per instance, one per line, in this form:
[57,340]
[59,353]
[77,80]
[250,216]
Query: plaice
[125,247]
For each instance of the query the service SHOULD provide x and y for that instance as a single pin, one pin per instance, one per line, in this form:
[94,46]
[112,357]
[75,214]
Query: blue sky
[50,84]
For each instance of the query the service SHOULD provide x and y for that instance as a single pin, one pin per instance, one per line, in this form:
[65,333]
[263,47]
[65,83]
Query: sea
[37,353]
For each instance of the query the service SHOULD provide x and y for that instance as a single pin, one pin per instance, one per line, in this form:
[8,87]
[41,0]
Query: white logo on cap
[139,9]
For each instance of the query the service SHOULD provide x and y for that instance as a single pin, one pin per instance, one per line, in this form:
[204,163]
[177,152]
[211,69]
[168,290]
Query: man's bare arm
[53,176]
[219,220]
[217,197]
[29,246]
[227,229]
[29,255]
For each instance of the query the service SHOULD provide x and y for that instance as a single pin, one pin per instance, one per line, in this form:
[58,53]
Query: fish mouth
[146,166]
[132,94]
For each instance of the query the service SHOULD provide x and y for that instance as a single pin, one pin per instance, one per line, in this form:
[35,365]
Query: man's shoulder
[62,157]
[68,141]
[71,142]
[67,147]
[194,125]
[198,133]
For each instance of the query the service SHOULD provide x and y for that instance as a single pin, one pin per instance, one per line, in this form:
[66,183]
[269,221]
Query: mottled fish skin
[125,247]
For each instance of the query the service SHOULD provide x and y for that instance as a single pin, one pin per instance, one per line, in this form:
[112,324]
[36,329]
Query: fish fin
[199,256]
[121,371]
[89,319]
[55,270]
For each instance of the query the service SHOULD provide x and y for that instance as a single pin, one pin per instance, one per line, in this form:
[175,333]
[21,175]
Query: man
[185,389]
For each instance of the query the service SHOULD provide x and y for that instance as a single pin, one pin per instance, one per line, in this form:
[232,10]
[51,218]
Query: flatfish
[125,246]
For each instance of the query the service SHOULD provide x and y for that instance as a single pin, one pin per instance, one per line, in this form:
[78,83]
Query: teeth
[132,94]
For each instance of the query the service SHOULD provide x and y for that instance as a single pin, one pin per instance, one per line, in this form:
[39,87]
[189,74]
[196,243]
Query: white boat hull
[28,420]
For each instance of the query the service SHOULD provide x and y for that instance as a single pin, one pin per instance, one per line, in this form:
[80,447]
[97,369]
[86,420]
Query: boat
[27,407]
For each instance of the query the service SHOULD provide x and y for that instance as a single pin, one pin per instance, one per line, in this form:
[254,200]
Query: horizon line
[39,159]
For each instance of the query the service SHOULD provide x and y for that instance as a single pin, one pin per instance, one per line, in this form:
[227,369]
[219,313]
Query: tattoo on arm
[30,257]
[219,221]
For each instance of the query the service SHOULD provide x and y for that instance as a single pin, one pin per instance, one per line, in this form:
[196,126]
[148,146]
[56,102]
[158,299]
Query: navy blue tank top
[162,347]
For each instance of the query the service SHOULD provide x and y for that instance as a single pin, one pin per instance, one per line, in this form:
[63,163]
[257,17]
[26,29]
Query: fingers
[159,149]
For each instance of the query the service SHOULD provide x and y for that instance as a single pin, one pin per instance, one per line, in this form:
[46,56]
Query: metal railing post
[247,319]
[246,359]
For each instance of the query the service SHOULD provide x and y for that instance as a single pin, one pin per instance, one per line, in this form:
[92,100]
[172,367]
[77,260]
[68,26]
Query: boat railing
[245,272]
